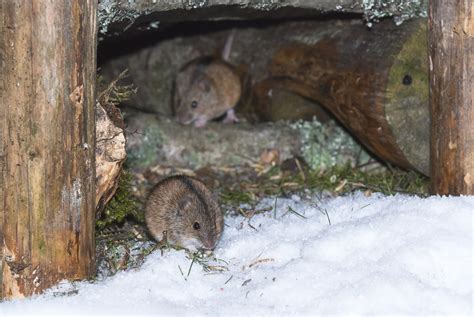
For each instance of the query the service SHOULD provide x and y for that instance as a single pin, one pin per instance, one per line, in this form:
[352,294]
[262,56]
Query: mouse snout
[208,244]
[185,118]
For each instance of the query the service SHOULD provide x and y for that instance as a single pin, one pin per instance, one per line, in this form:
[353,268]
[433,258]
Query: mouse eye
[194,104]
[196,226]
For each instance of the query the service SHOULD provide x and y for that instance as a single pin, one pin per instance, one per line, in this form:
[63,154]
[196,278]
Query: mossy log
[153,141]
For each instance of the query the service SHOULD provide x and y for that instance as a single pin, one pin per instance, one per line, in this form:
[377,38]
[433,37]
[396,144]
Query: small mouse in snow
[206,88]
[181,211]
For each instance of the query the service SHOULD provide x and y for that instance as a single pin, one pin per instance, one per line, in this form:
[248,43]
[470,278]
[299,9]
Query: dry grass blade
[259,261]
[296,213]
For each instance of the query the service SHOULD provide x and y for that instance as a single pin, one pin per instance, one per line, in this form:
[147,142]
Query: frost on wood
[109,12]
[401,10]
[125,12]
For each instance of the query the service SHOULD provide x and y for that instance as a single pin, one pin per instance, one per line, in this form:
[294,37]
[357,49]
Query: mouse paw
[230,116]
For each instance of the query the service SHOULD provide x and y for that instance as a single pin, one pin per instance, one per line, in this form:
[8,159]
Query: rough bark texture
[48,202]
[452,96]
[374,78]
[2,151]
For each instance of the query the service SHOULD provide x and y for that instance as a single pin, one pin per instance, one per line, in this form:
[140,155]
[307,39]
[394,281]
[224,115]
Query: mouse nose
[185,118]
[208,245]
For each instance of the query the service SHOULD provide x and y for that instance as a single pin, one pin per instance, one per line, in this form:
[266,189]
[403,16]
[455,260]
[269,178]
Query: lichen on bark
[400,10]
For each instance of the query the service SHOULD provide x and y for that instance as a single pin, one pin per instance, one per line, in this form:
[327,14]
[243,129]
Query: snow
[381,255]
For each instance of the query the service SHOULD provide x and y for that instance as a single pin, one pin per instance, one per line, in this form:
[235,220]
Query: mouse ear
[183,204]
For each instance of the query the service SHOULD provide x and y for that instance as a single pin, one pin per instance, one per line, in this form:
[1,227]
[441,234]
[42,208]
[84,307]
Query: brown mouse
[206,88]
[182,211]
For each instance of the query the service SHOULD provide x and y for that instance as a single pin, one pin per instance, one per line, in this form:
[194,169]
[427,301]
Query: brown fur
[175,204]
[212,83]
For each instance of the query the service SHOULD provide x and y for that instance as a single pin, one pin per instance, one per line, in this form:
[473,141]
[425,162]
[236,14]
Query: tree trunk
[451,96]
[49,71]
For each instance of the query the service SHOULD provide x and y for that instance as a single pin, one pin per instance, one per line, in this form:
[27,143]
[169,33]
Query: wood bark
[48,202]
[451,25]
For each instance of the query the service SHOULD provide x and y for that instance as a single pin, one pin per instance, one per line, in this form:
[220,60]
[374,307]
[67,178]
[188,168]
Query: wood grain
[348,71]
[49,71]
[451,50]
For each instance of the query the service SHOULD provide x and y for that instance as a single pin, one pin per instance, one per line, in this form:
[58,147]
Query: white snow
[381,255]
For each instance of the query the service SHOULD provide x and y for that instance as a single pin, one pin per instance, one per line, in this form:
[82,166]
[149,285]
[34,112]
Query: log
[273,102]
[132,17]
[374,82]
[48,203]
[451,51]
[155,141]
[122,15]
[378,77]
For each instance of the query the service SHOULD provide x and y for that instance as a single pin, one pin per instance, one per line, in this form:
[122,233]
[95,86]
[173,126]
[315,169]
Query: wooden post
[451,42]
[47,105]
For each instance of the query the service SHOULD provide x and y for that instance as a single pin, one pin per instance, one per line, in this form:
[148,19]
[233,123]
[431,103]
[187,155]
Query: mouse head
[198,224]
[194,98]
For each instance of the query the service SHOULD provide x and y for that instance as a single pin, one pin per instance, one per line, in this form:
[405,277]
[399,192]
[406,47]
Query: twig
[181,271]
[323,211]
[298,164]
[246,282]
[261,261]
[228,280]
[191,266]
[295,212]
[275,207]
